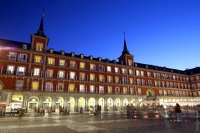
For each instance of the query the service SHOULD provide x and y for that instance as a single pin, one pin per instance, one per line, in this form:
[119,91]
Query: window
[49,86]
[169,92]
[198,85]
[61,74]
[197,78]
[19,84]
[101,89]
[142,73]
[131,81]
[36,72]
[130,62]
[51,61]
[163,83]
[71,87]
[137,73]
[38,59]
[143,82]
[124,90]
[100,67]
[72,75]
[12,56]
[116,70]
[82,76]
[139,91]
[116,79]
[149,82]
[108,68]
[72,64]
[123,70]
[109,89]
[165,92]
[60,87]
[130,71]
[109,78]
[138,81]
[39,46]
[92,77]
[21,70]
[117,90]
[61,62]
[155,82]
[160,92]
[10,69]
[101,78]
[92,67]
[22,57]
[82,88]
[24,46]
[82,65]
[92,90]
[49,73]
[35,85]
[123,80]
[148,74]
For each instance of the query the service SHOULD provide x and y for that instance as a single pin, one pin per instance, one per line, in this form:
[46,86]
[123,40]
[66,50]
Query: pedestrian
[49,112]
[178,112]
[81,110]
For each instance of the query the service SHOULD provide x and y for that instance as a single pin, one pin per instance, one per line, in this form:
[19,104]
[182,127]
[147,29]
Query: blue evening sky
[158,32]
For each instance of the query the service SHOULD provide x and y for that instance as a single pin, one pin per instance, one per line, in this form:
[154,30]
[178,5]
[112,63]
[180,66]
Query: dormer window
[24,46]
[82,56]
[99,58]
[62,52]
[91,57]
[72,54]
[51,51]
[39,46]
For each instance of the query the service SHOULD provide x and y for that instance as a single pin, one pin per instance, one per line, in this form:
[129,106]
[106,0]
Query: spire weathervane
[124,35]
[43,12]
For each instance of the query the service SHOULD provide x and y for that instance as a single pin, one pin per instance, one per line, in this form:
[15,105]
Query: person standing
[178,112]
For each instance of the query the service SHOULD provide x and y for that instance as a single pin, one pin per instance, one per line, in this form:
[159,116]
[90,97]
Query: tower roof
[40,31]
[125,50]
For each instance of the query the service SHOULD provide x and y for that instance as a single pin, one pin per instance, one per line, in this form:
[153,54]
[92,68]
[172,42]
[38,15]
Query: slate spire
[125,50]
[40,31]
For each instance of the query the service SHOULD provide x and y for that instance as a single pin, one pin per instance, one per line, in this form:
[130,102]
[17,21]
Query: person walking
[49,112]
[178,112]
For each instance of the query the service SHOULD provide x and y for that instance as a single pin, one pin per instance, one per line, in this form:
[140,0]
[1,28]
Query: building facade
[32,76]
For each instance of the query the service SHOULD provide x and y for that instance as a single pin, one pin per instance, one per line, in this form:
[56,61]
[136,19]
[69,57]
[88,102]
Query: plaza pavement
[107,122]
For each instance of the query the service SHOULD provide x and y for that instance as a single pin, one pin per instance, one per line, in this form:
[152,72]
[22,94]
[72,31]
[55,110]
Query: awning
[15,101]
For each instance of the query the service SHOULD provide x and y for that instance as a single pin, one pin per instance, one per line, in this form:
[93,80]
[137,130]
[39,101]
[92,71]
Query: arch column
[25,101]
[105,104]
[53,103]
[86,103]
[76,104]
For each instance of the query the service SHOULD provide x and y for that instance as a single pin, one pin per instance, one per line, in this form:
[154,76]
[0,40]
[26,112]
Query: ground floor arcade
[73,101]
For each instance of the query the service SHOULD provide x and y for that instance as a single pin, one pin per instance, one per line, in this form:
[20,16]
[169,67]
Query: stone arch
[33,102]
[101,102]
[71,104]
[91,103]
[150,92]
[109,104]
[81,103]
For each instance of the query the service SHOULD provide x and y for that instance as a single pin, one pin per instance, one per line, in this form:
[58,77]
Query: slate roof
[18,45]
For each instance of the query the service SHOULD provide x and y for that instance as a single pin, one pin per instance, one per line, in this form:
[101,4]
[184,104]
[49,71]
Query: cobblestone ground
[105,123]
